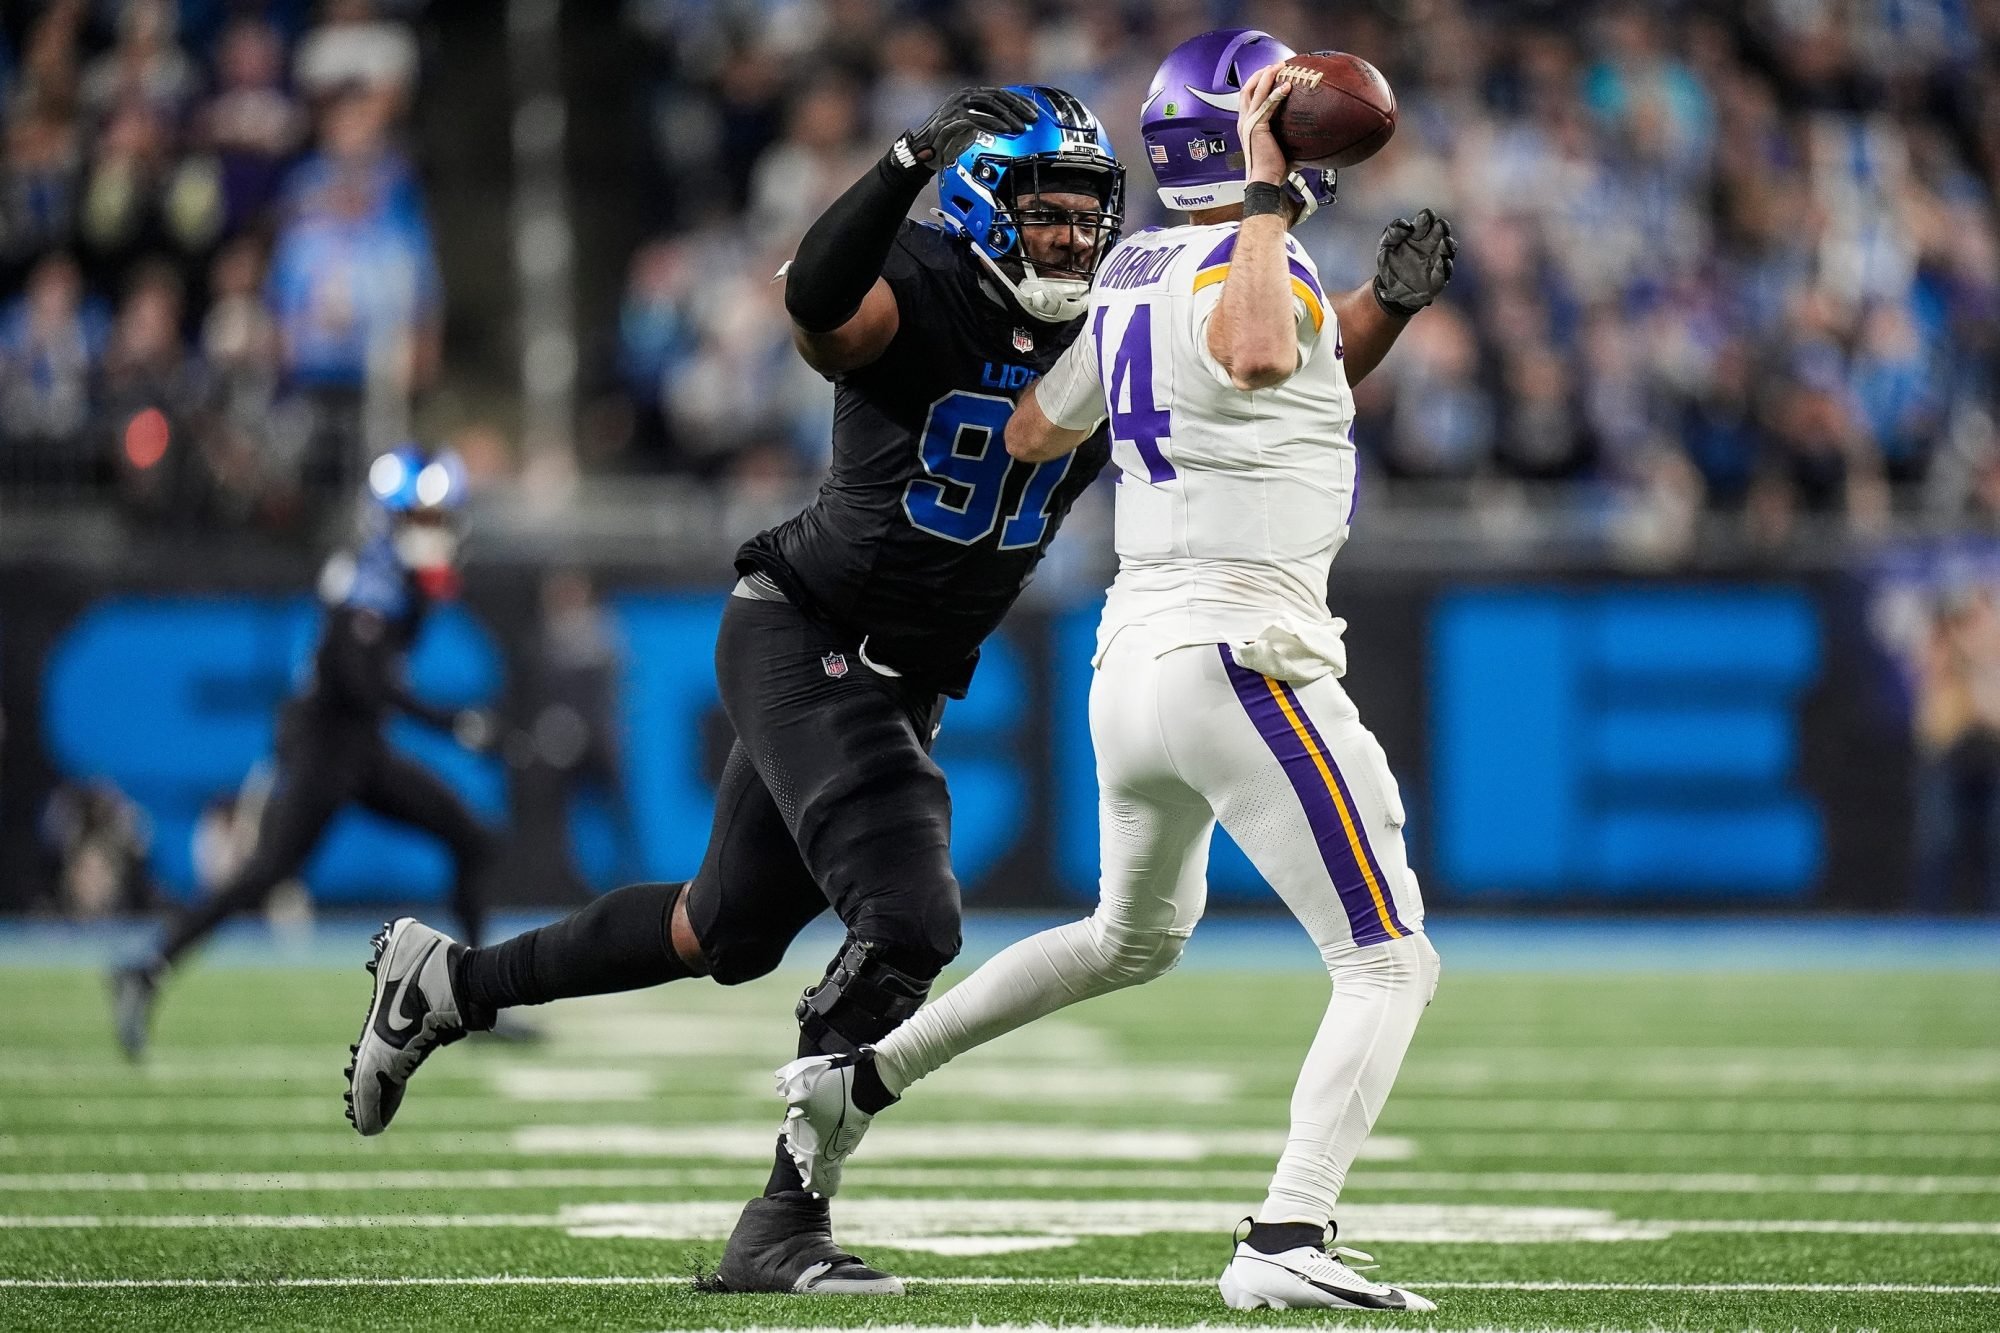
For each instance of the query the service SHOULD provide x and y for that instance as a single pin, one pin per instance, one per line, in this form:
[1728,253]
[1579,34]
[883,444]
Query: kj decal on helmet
[991,191]
[1189,123]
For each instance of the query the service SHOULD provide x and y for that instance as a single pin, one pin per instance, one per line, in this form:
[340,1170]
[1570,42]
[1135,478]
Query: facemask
[1050,300]
[428,552]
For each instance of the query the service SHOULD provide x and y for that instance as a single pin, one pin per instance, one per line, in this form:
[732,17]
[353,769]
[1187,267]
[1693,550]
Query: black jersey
[374,616]
[925,530]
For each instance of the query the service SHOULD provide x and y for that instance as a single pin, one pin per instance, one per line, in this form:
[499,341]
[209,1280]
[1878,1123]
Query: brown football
[1340,110]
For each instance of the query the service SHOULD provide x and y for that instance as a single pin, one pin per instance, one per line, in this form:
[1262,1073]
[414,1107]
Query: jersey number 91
[966,466]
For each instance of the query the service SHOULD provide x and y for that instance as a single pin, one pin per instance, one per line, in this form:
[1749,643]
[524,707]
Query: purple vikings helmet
[1189,123]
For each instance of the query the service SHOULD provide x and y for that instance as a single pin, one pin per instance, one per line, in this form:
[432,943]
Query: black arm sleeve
[843,252]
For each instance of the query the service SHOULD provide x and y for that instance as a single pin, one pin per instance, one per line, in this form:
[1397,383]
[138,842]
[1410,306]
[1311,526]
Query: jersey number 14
[966,466]
[1128,380]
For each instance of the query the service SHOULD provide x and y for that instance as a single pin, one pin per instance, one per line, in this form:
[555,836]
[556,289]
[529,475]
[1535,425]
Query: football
[1340,110]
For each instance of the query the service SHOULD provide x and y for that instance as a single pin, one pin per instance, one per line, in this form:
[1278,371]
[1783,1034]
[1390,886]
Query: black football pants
[829,797]
[324,762]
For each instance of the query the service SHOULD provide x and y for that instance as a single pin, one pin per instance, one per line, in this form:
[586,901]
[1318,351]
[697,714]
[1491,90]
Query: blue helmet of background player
[414,500]
[988,193]
[1189,123]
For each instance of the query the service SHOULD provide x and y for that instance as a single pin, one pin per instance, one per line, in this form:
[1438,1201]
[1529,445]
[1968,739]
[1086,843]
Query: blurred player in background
[331,748]
[850,626]
[1225,371]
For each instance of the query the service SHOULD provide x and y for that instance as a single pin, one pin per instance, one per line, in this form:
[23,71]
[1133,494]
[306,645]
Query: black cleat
[785,1243]
[414,1011]
[132,992]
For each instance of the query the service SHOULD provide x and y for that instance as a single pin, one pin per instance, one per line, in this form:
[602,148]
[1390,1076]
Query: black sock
[785,1177]
[620,942]
[1277,1237]
[870,1093]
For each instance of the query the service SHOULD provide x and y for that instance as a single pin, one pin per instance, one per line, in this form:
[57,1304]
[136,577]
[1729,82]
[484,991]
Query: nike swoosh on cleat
[392,1009]
[1359,1299]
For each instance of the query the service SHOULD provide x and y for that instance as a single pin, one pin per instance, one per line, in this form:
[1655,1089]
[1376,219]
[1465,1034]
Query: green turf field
[1565,1151]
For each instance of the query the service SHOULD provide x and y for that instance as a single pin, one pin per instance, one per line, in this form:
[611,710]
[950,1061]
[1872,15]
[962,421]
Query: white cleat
[413,1012]
[823,1126]
[1309,1278]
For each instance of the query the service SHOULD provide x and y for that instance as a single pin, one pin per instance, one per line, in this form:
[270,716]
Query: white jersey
[1231,503]
[1215,700]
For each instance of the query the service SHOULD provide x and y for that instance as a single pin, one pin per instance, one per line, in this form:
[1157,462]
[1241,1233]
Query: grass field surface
[1622,1150]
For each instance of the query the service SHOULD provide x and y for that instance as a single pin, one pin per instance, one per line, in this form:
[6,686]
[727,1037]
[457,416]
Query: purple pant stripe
[1347,795]
[1329,834]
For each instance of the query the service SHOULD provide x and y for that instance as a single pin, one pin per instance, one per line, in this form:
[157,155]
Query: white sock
[1023,982]
[1379,993]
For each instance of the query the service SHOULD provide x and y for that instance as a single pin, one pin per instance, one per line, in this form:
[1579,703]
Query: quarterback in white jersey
[1224,369]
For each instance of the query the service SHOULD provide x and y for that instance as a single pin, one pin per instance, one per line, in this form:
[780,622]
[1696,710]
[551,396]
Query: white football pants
[1183,739]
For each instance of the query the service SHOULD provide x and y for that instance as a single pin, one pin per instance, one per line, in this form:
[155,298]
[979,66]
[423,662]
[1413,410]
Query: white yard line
[1044,1084]
[936,1178]
[919,1141]
[916,1142]
[1815,1115]
[69,1112]
[998,1226]
[1764,1145]
[524,1280]
[1646,1182]
[731,1141]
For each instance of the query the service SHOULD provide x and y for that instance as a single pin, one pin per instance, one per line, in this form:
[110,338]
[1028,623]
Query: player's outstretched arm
[843,312]
[1254,332]
[1412,266]
[1033,438]
[1059,411]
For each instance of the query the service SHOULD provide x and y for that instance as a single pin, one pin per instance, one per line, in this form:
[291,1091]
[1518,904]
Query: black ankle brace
[1277,1237]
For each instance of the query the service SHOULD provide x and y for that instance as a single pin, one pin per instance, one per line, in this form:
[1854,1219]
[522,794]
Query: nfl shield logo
[835,665]
[1198,149]
[1024,341]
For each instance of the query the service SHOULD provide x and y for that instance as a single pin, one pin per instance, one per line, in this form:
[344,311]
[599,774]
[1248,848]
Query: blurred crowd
[1716,257]
[1732,257]
[216,277]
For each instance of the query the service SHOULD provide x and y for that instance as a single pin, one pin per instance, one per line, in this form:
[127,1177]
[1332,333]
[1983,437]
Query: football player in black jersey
[331,748]
[850,626]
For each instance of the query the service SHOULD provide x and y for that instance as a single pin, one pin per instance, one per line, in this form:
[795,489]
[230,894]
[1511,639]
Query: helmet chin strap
[1301,195]
[1049,300]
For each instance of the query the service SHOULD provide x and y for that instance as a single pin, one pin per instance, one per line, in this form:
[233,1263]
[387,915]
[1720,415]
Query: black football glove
[1413,263]
[966,113]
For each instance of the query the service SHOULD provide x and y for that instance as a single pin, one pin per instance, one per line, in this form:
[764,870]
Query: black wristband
[1261,197]
[904,158]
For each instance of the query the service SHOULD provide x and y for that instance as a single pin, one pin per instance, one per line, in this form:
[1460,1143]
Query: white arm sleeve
[1071,395]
